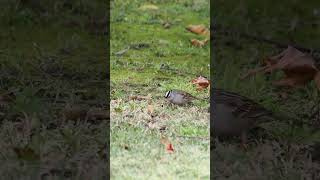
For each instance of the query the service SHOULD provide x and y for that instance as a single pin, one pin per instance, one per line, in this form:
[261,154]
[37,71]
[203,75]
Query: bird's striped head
[168,94]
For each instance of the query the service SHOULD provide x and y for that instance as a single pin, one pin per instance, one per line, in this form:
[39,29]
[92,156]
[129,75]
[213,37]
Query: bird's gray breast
[177,98]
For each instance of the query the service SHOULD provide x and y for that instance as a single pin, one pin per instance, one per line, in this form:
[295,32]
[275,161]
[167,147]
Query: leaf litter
[199,30]
[299,68]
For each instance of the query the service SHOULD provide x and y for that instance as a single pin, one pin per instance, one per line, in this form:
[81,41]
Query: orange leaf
[298,67]
[201,82]
[198,29]
[198,43]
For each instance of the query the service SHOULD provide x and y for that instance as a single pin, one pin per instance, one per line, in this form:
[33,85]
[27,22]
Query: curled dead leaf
[198,29]
[299,68]
[198,43]
[201,82]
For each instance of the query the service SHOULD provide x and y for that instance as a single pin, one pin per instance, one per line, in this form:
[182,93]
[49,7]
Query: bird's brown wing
[243,107]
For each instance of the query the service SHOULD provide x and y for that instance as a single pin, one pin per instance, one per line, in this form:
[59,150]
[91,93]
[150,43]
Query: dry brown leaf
[201,82]
[299,68]
[198,43]
[198,29]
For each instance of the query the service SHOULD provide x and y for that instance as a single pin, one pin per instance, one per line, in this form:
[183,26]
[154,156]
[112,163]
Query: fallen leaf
[170,148]
[148,7]
[299,68]
[198,43]
[165,141]
[201,82]
[198,29]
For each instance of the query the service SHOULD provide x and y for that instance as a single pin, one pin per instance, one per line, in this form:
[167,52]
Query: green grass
[46,65]
[169,62]
[287,152]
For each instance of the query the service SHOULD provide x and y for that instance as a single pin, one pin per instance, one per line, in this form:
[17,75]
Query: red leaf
[165,141]
[169,148]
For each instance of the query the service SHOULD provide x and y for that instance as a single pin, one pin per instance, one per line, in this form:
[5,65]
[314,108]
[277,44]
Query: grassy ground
[52,56]
[287,154]
[159,59]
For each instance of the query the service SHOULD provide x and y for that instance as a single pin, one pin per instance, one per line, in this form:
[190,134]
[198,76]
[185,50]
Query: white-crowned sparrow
[179,97]
[235,115]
